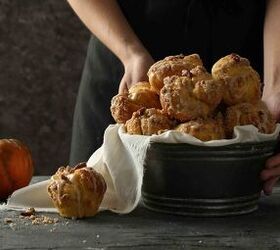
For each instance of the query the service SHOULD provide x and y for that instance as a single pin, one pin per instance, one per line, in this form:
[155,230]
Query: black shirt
[212,29]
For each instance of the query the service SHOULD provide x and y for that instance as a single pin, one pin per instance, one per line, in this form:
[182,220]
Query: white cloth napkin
[120,160]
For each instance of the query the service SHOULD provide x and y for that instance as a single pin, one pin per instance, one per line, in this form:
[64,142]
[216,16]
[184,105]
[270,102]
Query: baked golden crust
[77,192]
[242,82]
[203,129]
[142,94]
[197,73]
[148,122]
[185,100]
[140,86]
[122,108]
[209,91]
[139,95]
[247,113]
[171,65]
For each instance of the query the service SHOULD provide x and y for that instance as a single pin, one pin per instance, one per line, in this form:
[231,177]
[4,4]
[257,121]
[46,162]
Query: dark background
[42,50]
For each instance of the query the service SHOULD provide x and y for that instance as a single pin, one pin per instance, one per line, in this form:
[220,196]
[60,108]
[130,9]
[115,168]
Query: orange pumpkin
[16,166]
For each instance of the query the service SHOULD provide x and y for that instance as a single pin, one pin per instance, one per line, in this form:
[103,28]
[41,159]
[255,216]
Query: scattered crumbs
[28,212]
[38,220]
[67,222]
[12,226]
[8,220]
[53,229]
[97,236]
[200,242]
[32,217]
[84,241]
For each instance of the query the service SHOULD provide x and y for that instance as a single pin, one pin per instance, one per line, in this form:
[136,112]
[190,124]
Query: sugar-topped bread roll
[77,192]
[242,82]
[169,66]
[204,129]
[148,122]
[140,95]
[144,95]
[184,99]
[256,114]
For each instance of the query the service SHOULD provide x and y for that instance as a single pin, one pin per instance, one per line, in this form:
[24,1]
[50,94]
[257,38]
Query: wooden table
[143,229]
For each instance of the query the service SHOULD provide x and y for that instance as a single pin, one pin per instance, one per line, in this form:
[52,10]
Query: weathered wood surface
[143,229]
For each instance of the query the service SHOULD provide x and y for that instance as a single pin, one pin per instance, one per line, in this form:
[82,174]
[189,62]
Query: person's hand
[272,100]
[135,70]
[270,175]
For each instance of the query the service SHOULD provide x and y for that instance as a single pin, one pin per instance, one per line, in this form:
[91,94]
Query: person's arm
[271,92]
[106,21]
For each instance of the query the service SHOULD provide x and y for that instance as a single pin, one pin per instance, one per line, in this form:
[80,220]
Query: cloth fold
[121,162]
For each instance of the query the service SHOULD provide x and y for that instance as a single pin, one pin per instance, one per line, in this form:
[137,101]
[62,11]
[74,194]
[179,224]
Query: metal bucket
[204,181]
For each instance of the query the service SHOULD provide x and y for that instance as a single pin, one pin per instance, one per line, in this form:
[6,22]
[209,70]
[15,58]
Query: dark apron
[211,28]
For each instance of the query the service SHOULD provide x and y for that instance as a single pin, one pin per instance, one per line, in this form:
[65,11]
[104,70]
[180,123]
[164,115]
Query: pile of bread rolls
[181,95]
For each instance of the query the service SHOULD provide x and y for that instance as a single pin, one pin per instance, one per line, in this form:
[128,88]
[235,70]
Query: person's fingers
[273,161]
[122,89]
[128,85]
[269,173]
[268,185]
[272,100]
[123,86]
[137,77]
